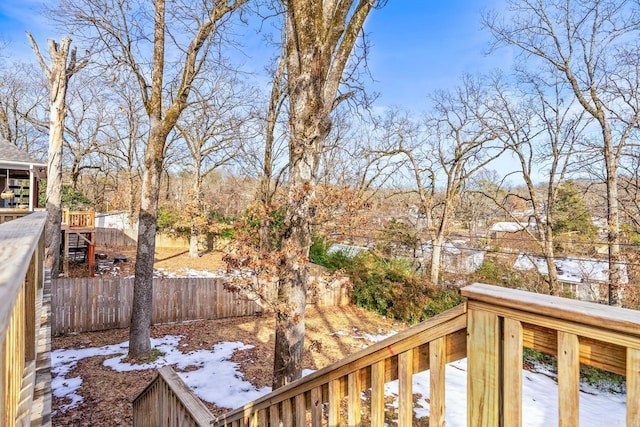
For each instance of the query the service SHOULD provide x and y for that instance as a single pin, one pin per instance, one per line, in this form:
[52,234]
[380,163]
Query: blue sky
[423,45]
[418,46]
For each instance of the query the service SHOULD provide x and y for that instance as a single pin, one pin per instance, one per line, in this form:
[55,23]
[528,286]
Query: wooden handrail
[21,278]
[412,350]
[167,401]
[502,321]
[490,329]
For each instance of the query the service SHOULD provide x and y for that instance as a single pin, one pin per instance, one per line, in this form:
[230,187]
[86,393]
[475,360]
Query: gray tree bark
[320,38]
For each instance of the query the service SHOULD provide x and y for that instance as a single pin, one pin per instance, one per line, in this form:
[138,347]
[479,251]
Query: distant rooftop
[12,155]
[509,227]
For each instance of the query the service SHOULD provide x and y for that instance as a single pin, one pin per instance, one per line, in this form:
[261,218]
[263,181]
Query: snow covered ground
[216,379]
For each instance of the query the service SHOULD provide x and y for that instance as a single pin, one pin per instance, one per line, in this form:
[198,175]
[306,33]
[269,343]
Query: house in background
[585,278]
[20,175]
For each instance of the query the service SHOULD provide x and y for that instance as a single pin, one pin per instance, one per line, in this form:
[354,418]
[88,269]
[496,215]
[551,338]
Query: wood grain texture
[483,369]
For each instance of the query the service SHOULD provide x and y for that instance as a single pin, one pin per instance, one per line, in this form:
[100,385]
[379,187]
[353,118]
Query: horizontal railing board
[588,313]
[19,239]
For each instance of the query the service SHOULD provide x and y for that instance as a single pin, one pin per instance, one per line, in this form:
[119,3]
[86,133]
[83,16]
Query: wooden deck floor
[41,407]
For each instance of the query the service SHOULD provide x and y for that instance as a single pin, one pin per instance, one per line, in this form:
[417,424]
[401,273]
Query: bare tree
[461,141]
[63,66]
[542,128]
[320,38]
[212,129]
[119,30]
[85,121]
[124,137]
[23,97]
[590,44]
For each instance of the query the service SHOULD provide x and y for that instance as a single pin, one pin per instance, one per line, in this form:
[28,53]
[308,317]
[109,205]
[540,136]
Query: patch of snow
[216,379]
[571,269]
[507,227]
[219,381]
[539,394]
[347,250]
[378,338]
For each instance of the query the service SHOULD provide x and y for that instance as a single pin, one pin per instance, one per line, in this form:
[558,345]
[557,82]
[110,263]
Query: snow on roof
[571,270]
[509,227]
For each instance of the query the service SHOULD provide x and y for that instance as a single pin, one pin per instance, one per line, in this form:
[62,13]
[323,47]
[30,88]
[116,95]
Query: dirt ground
[174,260]
[108,395]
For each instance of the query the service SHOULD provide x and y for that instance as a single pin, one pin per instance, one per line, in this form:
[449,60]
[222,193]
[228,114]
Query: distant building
[458,257]
[20,173]
[347,250]
[586,278]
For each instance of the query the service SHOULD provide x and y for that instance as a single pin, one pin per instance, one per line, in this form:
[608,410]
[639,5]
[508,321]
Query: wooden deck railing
[490,329]
[167,401]
[79,219]
[7,214]
[334,392]
[21,283]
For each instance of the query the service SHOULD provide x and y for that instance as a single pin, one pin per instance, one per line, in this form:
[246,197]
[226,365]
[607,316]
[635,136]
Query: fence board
[85,304]
[93,304]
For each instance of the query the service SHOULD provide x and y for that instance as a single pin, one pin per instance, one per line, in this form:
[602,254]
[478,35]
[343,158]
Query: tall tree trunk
[552,270]
[63,66]
[53,199]
[194,236]
[139,331]
[142,304]
[613,217]
[293,270]
[319,41]
[436,259]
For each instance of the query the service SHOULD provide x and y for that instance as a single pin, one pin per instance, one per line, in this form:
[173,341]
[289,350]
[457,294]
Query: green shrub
[74,200]
[388,287]
[334,261]
[167,218]
[392,288]
[489,272]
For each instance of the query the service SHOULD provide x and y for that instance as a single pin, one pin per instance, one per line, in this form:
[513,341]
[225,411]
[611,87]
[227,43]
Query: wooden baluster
[274,416]
[512,372]
[377,393]
[301,410]
[405,388]
[355,387]
[568,379]
[437,360]
[483,360]
[633,387]
[287,414]
[316,407]
[334,402]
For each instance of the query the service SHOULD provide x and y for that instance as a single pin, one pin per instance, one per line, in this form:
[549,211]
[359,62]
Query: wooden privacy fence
[94,304]
[127,237]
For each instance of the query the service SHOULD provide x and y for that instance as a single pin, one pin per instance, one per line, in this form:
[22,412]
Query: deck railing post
[484,377]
